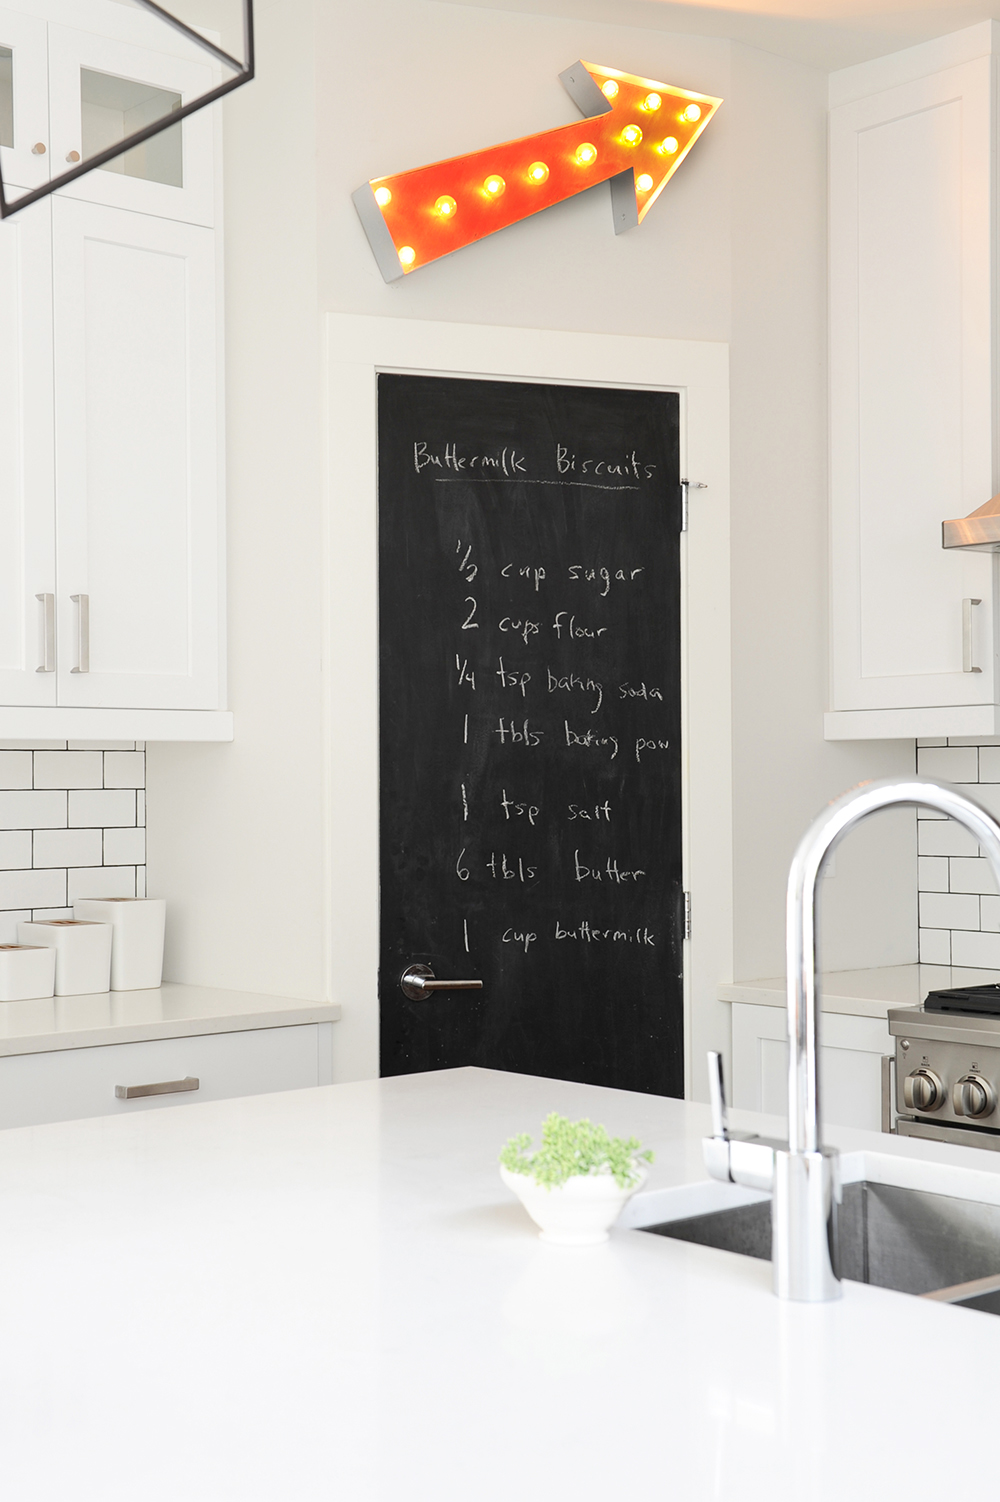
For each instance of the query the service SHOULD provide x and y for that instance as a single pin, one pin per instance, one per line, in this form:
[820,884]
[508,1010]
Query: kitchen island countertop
[329,1294]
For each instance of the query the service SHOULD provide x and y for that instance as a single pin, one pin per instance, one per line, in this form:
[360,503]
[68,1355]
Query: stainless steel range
[948,1066]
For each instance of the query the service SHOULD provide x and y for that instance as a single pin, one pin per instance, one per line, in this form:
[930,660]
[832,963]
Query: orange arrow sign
[636,135]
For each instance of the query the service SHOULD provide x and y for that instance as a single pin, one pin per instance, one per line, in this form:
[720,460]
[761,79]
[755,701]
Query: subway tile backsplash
[959,915]
[72,824]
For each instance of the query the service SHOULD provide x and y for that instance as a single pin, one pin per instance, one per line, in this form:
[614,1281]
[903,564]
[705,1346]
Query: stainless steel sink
[928,1244]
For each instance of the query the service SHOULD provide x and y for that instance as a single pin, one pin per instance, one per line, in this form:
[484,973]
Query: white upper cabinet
[27,508]
[103,90]
[111,577]
[24,100]
[913,384]
[136,460]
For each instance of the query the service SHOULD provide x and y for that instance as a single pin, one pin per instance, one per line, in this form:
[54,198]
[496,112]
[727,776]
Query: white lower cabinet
[70,1083]
[851,1055]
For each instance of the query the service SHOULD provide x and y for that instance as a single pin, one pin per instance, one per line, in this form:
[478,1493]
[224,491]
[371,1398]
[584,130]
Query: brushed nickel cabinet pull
[967,636]
[166,1087]
[82,603]
[48,604]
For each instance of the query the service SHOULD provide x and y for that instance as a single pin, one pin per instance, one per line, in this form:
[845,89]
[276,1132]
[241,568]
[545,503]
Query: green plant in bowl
[575,1184]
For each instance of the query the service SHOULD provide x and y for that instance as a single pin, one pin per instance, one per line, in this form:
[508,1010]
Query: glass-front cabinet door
[101,91]
[25,154]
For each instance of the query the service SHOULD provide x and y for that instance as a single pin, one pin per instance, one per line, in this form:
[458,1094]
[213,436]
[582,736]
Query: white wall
[734,250]
[784,772]
[235,831]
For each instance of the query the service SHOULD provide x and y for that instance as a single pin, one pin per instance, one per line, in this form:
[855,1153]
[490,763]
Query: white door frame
[357,349]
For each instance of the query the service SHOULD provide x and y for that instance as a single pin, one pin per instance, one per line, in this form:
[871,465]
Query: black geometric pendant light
[243,72]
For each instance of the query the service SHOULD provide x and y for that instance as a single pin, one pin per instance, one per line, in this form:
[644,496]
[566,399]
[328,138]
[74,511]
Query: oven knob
[923,1091]
[973,1096]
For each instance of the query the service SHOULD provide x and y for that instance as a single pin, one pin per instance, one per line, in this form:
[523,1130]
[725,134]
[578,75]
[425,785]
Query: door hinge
[686,487]
[687,915]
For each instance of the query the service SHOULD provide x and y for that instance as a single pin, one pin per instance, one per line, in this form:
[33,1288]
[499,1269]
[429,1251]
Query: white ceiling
[826,34]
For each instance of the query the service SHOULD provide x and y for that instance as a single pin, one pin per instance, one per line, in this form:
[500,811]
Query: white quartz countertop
[169,1011]
[864,993]
[329,1294]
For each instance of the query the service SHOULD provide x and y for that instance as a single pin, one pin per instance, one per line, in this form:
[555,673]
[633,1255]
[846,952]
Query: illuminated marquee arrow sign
[636,135]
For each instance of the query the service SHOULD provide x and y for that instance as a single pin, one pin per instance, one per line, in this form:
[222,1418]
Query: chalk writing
[610,871]
[465,568]
[509,869]
[567,463]
[536,575]
[590,738]
[513,679]
[506,461]
[603,577]
[511,936]
[529,737]
[571,682]
[524,629]
[575,628]
[599,812]
[642,744]
[465,674]
[515,810]
[589,934]
[515,735]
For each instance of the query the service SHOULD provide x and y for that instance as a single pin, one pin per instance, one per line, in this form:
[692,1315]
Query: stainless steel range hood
[978,532]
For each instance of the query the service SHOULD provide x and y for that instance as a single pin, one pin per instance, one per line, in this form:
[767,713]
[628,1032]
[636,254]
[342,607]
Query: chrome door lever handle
[418,980]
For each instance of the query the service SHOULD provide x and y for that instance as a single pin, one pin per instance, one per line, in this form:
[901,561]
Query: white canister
[82,952]
[137,944]
[27,971]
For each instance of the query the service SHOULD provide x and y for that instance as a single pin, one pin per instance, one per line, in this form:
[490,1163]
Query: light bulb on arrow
[636,135]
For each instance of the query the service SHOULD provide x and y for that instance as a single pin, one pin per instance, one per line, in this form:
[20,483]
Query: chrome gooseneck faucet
[801,1174]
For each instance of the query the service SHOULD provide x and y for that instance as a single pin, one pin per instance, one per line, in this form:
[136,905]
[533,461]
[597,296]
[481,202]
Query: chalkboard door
[530,729]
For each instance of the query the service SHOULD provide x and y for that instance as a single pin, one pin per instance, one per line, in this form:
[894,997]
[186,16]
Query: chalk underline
[500,480]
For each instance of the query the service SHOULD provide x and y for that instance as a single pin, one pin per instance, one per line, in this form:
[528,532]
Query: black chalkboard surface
[530,728]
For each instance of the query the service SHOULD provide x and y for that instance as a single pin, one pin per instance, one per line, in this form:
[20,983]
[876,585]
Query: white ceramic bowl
[577,1213]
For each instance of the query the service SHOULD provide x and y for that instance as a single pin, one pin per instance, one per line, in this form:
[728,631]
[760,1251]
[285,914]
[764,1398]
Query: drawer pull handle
[166,1087]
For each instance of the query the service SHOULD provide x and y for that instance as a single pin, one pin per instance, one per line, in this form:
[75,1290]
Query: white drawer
[74,1082]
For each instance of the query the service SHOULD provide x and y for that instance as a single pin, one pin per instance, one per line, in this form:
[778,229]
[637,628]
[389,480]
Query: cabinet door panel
[24,107]
[136,458]
[912,424]
[103,90]
[27,546]
[851,1083]
[850,1065]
